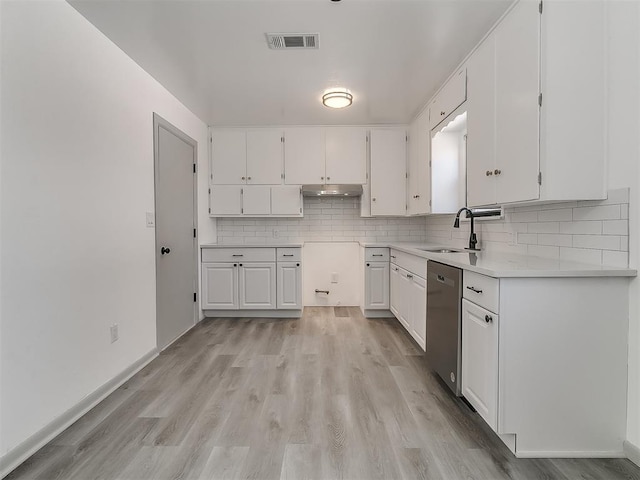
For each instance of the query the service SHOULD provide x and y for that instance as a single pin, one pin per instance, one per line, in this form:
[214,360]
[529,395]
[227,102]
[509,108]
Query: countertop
[508,265]
[242,245]
[496,265]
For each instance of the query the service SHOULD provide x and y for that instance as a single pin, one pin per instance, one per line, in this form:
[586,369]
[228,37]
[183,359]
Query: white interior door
[175,156]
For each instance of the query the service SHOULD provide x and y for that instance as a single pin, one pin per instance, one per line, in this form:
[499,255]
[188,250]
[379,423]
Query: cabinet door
[418,309]
[448,99]
[346,155]
[480,360]
[422,168]
[228,156]
[304,156]
[219,286]
[225,200]
[517,111]
[257,284]
[289,286]
[256,200]
[286,200]
[481,125]
[264,156]
[376,280]
[388,172]
[404,286]
[412,167]
[394,290]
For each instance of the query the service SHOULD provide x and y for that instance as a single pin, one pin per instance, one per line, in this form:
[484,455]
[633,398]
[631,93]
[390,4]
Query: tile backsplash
[326,219]
[586,231]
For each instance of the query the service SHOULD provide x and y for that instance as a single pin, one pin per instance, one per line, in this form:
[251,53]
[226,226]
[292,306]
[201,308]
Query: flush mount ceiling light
[337,98]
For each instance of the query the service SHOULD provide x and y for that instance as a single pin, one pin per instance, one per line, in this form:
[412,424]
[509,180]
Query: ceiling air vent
[282,41]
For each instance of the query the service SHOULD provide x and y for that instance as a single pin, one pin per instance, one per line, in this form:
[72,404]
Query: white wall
[624,161]
[77,179]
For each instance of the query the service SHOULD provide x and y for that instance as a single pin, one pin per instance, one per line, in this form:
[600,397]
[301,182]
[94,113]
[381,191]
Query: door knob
[165,250]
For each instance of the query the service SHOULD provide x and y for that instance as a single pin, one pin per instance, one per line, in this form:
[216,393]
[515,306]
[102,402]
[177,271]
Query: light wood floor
[330,396]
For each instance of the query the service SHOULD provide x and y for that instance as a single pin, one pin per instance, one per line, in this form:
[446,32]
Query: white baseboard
[253,313]
[14,457]
[632,452]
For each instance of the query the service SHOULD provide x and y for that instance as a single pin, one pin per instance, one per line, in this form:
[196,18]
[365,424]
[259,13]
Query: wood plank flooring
[330,396]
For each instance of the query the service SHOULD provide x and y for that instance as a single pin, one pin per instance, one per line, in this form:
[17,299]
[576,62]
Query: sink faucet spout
[473,241]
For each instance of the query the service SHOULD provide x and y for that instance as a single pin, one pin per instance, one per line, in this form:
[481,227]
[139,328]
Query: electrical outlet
[114,333]
[151,220]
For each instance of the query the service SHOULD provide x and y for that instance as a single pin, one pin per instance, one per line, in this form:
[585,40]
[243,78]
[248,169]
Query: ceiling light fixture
[337,98]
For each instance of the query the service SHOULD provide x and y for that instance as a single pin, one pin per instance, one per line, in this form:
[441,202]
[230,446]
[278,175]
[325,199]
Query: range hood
[332,190]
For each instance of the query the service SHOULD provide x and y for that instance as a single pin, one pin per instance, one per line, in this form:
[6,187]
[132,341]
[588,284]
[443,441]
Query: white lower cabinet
[257,286]
[408,297]
[248,279]
[289,285]
[219,286]
[376,288]
[480,360]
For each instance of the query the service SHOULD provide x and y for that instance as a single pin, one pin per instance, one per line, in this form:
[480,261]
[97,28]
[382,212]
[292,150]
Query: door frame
[158,122]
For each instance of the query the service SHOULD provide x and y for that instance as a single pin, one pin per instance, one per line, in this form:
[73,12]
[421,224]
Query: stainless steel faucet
[473,241]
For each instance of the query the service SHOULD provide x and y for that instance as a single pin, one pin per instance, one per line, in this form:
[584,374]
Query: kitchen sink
[440,250]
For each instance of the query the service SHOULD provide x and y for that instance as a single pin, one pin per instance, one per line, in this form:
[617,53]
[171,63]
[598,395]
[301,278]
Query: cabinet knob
[240,264]
[328,178]
[248,178]
[373,199]
[243,178]
[417,196]
[497,172]
[441,113]
[297,264]
[488,318]
[489,173]
[409,275]
[235,264]
[368,264]
[321,178]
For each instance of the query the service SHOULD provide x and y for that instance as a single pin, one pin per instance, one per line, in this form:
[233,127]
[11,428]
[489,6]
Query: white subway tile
[543,251]
[615,227]
[624,211]
[581,255]
[603,212]
[528,238]
[601,242]
[560,215]
[581,228]
[524,216]
[615,259]
[544,227]
[554,240]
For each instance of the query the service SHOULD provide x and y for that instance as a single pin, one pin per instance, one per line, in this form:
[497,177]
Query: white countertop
[242,245]
[508,265]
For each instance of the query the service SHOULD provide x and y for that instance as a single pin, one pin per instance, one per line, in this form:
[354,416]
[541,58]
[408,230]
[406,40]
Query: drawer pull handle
[322,291]
[393,256]
[488,318]
[473,289]
[238,255]
[287,255]
[377,255]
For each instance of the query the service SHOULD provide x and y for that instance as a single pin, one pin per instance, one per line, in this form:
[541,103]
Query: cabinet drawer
[481,290]
[289,254]
[376,254]
[411,263]
[238,254]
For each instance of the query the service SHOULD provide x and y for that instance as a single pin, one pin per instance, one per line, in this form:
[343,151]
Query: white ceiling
[213,56]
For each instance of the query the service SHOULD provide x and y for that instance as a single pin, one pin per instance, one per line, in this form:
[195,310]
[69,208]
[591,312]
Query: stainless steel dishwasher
[444,302]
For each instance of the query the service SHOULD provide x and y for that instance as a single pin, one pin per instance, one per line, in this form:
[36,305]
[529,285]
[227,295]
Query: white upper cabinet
[240,157]
[229,156]
[388,171]
[419,184]
[517,43]
[256,200]
[537,106]
[264,156]
[304,156]
[448,99]
[286,200]
[346,155]
[481,128]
